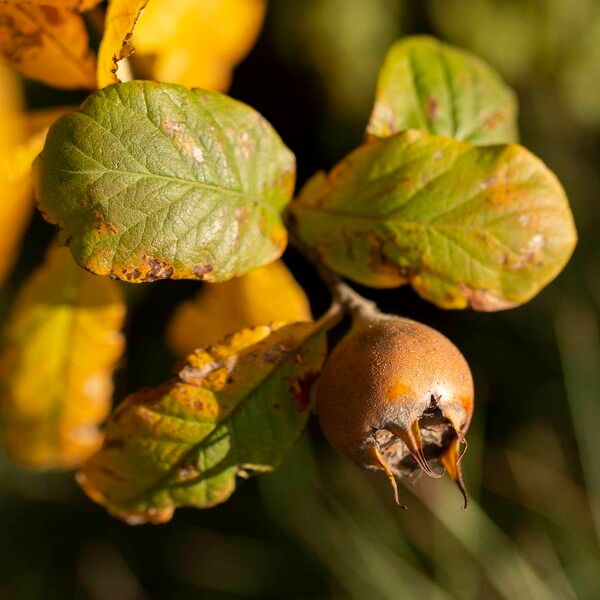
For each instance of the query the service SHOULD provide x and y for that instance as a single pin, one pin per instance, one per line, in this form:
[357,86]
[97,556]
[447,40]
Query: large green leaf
[427,85]
[485,226]
[236,407]
[151,181]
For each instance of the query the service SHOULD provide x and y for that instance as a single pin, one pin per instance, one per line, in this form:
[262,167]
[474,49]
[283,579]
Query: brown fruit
[396,395]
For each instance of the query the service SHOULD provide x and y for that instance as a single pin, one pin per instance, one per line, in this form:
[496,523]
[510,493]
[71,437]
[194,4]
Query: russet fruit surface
[396,395]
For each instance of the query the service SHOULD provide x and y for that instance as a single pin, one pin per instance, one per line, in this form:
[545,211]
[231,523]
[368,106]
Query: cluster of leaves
[150,180]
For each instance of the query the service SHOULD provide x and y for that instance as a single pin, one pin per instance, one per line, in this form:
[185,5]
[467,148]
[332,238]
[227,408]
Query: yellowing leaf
[61,346]
[48,44]
[22,139]
[265,295]
[434,87]
[121,17]
[486,227]
[155,181]
[15,165]
[80,5]
[196,43]
[236,407]
[37,121]
[15,193]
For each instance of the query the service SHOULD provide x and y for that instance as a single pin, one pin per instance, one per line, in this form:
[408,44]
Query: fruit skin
[390,385]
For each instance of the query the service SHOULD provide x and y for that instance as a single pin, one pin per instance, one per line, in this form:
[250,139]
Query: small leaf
[152,181]
[436,88]
[196,43]
[61,346]
[81,5]
[464,225]
[262,296]
[121,17]
[48,44]
[237,407]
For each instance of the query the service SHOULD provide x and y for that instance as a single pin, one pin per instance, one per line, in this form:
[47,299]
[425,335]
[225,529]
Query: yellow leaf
[121,17]
[15,164]
[15,193]
[48,44]
[39,120]
[80,5]
[21,141]
[197,44]
[262,296]
[61,346]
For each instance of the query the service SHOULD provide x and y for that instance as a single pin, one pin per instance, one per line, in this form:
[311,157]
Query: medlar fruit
[396,395]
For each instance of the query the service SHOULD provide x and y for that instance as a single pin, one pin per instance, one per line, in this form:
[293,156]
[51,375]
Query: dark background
[320,527]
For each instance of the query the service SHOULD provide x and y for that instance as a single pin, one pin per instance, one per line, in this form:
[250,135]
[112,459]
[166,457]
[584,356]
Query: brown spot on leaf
[200,271]
[187,471]
[241,217]
[132,274]
[493,121]
[388,272]
[301,388]
[245,143]
[157,270]
[484,300]
[183,141]
[432,109]
[274,355]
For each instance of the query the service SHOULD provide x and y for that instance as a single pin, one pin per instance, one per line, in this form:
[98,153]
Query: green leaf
[436,88]
[236,407]
[151,181]
[465,225]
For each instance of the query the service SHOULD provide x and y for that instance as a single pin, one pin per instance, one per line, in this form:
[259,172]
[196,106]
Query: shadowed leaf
[61,346]
[152,181]
[236,407]
[48,44]
[436,88]
[464,225]
[15,193]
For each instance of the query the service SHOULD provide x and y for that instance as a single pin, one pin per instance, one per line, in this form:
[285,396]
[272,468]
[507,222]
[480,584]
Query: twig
[343,295]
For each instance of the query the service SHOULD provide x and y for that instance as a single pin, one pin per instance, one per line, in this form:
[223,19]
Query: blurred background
[320,527]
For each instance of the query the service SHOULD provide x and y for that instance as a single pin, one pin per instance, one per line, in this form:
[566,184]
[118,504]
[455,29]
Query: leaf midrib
[151,175]
[195,447]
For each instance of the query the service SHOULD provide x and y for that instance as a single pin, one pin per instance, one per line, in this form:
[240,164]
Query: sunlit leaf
[61,346]
[48,44]
[236,407]
[427,85]
[265,295]
[152,181]
[121,17]
[464,225]
[196,43]
[80,5]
